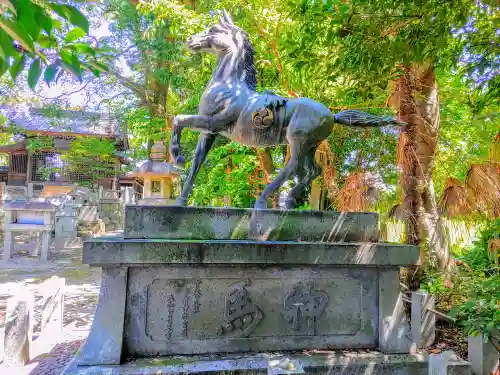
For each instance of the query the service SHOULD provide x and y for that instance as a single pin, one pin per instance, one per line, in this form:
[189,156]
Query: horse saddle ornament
[262,118]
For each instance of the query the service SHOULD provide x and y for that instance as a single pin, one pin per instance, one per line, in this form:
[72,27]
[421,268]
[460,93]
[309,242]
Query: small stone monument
[28,216]
[66,220]
[158,176]
[53,305]
[18,327]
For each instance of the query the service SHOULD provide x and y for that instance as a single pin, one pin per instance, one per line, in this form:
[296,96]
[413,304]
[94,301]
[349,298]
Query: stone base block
[152,201]
[324,363]
[209,223]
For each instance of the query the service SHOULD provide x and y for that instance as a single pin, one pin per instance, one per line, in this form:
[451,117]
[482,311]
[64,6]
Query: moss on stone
[172,361]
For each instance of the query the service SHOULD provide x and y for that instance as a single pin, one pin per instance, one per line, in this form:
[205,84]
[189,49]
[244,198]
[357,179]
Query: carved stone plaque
[173,310]
[240,315]
[169,307]
[305,303]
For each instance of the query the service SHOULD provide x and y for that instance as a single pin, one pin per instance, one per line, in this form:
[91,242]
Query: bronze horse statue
[231,106]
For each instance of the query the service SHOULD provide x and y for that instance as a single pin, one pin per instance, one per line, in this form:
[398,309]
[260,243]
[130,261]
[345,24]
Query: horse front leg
[210,124]
[195,122]
[205,143]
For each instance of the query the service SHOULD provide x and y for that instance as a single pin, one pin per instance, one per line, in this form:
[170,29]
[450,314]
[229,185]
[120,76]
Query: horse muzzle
[196,44]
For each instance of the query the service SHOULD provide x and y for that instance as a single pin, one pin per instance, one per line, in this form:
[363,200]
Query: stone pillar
[29,193]
[48,218]
[423,322]
[438,363]
[483,357]
[36,249]
[166,187]
[104,343]
[8,240]
[2,191]
[44,244]
[8,245]
[394,330]
[18,328]
[127,195]
[146,193]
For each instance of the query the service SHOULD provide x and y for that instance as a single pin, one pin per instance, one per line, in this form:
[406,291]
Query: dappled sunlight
[459,233]
[334,232]
[365,253]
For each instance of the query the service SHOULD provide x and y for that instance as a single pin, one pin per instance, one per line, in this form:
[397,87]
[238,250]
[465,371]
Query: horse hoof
[260,205]
[290,204]
[179,161]
[181,201]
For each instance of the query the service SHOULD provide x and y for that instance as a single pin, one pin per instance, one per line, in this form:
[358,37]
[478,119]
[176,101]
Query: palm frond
[403,160]
[455,200]
[483,182]
[358,193]
[330,182]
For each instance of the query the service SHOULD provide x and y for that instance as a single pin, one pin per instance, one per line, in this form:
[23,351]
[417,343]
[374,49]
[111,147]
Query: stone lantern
[158,176]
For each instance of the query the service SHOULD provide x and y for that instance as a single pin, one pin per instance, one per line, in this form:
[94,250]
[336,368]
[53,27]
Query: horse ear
[227,17]
[223,22]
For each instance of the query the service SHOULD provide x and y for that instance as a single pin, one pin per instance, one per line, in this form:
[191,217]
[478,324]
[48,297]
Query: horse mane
[249,65]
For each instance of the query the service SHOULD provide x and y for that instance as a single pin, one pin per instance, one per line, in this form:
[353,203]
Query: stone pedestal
[179,283]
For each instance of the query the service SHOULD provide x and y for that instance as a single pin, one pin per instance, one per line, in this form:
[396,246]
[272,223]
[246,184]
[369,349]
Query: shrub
[481,311]
[478,256]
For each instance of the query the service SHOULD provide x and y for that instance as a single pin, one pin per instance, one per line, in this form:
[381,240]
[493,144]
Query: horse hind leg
[312,171]
[288,171]
[205,142]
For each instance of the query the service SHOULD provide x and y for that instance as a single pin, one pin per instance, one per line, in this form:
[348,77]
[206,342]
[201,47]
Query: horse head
[220,39]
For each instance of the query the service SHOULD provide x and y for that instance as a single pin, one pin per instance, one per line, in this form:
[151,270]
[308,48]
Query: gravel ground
[56,360]
[52,354]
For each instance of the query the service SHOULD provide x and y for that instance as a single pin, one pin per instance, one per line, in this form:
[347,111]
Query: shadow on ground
[54,362]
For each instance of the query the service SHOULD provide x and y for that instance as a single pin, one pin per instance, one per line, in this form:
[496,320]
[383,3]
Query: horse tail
[362,119]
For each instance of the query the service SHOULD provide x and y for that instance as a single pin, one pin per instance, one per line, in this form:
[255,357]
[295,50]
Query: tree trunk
[267,167]
[266,163]
[415,99]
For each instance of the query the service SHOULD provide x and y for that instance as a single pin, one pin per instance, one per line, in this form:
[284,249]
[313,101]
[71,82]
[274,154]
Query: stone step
[116,250]
[325,363]
[195,223]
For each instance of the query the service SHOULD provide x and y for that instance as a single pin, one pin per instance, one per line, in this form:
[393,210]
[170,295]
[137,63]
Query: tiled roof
[61,121]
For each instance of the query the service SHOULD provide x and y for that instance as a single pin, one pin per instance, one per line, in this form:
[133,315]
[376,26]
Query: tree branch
[129,83]
[58,97]
[111,98]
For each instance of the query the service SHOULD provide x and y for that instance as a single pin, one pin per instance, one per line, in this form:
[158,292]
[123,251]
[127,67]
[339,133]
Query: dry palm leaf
[330,182]
[358,192]
[402,158]
[455,201]
[483,181]
[325,158]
